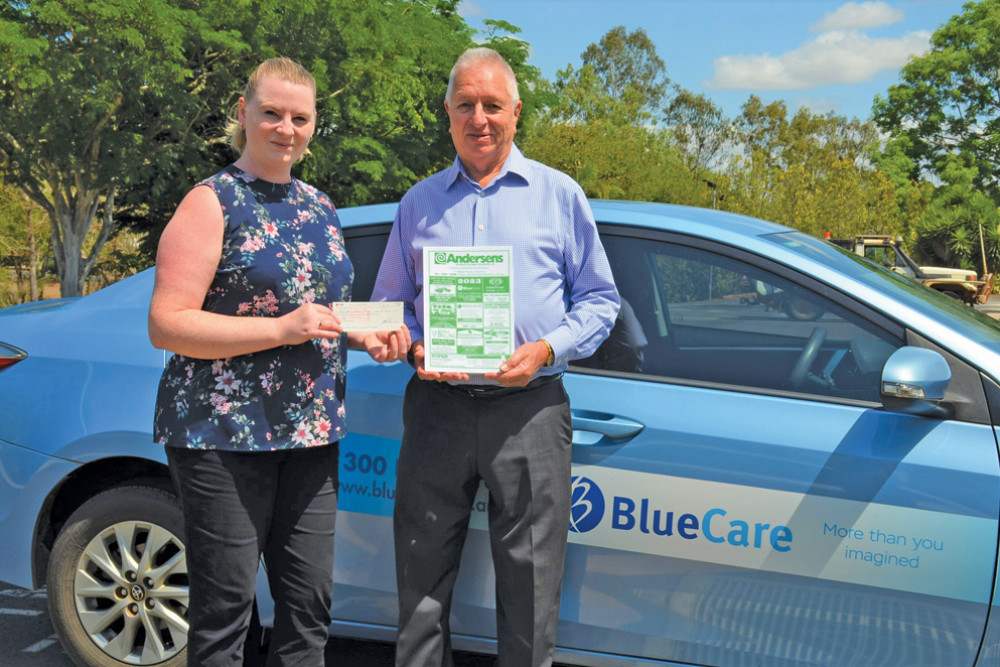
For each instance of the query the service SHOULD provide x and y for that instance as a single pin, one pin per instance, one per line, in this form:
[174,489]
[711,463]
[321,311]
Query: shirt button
[482,193]
[481,227]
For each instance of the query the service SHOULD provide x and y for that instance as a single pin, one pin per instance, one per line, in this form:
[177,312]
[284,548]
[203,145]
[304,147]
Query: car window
[883,255]
[365,246]
[695,315]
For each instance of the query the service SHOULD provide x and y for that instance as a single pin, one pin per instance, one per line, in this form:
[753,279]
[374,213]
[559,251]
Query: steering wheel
[807,357]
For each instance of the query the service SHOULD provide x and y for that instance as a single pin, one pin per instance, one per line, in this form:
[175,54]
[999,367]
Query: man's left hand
[386,346]
[521,366]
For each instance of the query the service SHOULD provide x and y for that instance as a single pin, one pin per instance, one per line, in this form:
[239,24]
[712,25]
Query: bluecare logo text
[645,516]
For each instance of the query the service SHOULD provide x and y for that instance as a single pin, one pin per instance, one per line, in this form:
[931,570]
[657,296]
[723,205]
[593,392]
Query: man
[510,428]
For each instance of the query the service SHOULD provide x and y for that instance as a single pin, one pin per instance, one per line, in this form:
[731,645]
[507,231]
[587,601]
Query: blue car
[783,455]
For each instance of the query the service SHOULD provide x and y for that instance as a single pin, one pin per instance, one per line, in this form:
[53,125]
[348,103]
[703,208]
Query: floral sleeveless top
[282,247]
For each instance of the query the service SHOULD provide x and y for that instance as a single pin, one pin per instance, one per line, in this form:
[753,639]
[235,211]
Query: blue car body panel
[712,525]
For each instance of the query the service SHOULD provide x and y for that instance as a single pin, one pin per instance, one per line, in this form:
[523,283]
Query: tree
[812,172]
[597,127]
[114,108]
[92,92]
[611,160]
[381,70]
[627,61]
[23,243]
[536,93]
[947,101]
[959,222]
[701,130]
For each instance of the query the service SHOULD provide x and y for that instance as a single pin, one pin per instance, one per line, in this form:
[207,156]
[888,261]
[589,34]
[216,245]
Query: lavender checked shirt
[563,288]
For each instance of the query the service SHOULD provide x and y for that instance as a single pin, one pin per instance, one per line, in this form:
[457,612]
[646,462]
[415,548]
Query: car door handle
[609,425]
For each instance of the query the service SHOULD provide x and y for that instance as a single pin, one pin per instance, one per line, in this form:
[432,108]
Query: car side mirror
[914,381]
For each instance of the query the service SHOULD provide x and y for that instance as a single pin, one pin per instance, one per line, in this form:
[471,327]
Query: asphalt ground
[991,307]
[28,640]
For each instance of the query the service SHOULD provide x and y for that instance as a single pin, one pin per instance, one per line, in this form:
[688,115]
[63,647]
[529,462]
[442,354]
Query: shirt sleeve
[592,295]
[396,280]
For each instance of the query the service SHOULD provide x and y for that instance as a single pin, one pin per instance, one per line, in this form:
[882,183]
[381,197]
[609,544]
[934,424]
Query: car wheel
[798,308]
[118,582]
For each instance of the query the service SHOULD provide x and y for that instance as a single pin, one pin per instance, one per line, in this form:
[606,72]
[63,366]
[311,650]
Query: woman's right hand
[308,321]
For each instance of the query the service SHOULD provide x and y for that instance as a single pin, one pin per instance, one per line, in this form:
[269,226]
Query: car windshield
[964,319]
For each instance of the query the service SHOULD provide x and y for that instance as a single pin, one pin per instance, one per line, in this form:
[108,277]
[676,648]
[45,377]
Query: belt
[496,391]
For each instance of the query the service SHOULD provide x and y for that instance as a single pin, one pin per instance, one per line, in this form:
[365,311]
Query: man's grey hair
[483,55]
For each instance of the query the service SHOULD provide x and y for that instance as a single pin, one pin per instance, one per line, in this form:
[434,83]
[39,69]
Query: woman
[251,407]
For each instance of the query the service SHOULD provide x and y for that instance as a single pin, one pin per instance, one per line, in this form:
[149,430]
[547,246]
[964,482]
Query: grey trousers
[519,444]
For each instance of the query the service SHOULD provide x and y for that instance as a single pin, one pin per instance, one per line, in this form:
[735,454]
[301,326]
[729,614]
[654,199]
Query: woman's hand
[308,321]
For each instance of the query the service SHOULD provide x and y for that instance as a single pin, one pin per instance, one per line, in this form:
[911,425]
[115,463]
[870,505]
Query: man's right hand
[417,351]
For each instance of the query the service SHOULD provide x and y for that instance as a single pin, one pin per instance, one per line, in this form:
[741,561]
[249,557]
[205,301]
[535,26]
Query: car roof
[668,217]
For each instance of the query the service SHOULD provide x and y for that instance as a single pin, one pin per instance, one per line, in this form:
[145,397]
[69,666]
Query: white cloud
[832,57]
[467,9]
[819,105]
[859,16]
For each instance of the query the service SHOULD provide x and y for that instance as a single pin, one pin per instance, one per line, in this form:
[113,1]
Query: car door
[740,496]
[364,571]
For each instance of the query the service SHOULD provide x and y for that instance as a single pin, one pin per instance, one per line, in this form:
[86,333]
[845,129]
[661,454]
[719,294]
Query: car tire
[798,308]
[117,580]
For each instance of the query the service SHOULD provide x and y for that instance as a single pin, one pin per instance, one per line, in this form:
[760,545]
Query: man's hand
[521,366]
[385,346]
[417,349]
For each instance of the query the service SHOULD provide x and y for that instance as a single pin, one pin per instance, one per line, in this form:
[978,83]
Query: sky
[825,56]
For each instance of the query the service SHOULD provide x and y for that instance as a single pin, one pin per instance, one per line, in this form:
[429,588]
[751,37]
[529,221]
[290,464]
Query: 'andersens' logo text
[452,258]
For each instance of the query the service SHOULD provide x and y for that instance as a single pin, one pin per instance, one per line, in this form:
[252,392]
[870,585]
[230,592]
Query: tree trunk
[70,224]
[29,207]
[68,255]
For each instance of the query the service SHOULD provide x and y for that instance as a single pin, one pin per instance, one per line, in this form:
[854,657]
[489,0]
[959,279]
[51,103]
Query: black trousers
[238,506]
[519,444]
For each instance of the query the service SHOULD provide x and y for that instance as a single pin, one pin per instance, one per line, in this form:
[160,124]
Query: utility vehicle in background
[887,251]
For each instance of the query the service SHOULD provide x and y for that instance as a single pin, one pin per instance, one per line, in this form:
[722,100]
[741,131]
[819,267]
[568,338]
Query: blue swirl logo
[586,505]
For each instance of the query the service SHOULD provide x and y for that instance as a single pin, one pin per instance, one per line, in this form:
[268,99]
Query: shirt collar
[516,165]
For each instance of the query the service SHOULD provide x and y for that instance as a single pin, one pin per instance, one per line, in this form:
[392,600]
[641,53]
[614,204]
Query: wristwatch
[552,355]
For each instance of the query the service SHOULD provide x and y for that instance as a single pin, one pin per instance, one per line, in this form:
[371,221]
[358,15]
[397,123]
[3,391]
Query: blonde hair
[282,68]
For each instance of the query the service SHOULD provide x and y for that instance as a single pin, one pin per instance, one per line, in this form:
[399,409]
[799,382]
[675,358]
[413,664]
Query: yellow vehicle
[887,251]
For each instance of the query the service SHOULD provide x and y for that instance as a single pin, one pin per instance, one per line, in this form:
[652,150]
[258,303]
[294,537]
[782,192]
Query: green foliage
[92,92]
[112,109]
[23,243]
[622,80]
[947,103]
[700,130]
[810,172]
[381,68]
[382,124]
[948,233]
[598,129]
[536,93]
[611,160]
[626,65]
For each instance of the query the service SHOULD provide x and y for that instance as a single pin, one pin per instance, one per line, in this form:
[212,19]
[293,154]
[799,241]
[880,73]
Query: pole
[982,249]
